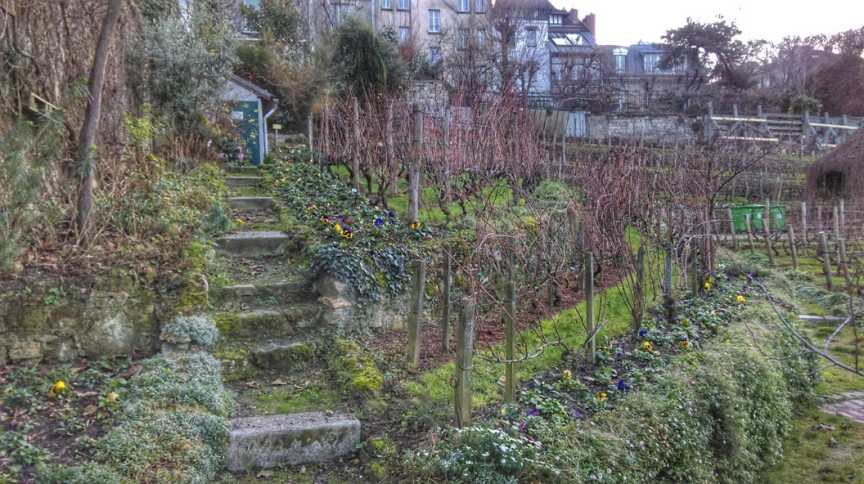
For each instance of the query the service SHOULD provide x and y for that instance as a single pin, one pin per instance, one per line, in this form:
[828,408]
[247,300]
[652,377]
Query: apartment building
[435,27]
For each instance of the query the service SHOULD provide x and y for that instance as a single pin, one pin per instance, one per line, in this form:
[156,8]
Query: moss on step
[294,397]
[355,369]
[228,324]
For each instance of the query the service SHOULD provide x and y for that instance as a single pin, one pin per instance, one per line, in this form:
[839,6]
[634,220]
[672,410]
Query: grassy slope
[809,458]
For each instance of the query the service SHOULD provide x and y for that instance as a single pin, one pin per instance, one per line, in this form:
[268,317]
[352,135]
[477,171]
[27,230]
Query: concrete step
[260,295]
[243,170]
[261,324]
[251,244]
[250,203]
[243,181]
[275,440]
[281,355]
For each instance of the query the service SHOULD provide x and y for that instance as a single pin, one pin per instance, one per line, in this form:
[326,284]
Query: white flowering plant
[484,454]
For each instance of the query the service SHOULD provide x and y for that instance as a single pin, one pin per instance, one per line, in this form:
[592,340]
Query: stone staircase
[269,321]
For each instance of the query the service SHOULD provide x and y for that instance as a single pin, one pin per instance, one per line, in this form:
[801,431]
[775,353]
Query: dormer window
[555,19]
[562,39]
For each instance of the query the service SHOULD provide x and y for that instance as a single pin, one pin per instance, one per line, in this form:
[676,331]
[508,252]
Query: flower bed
[364,246]
[697,398]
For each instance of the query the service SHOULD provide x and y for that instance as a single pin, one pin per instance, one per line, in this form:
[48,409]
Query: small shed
[247,103]
[840,173]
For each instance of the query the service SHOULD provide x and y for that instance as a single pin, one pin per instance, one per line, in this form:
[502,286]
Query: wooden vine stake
[804,228]
[826,263]
[591,347]
[510,336]
[766,225]
[639,290]
[445,310]
[355,150]
[843,215]
[844,267]
[693,268]
[819,223]
[732,229]
[835,220]
[414,318]
[580,242]
[792,247]
[414,166]
[749,232]
[667,279]
[464,361]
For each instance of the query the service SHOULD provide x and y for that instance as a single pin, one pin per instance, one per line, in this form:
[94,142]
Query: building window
[558,38]
[462,40]
[435,21]
[251,19]
[434,56]
[531,37]
[555,19]
[651,63]
[462,5]
[620,57]
[388,4]
[404,34]
[481,36]
[404,4]
[480,6]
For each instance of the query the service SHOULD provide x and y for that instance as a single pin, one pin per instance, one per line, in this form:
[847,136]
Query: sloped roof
[532,8]
[257,90]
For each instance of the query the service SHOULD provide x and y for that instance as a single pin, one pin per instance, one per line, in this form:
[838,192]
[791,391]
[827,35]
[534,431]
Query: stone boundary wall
[668,129]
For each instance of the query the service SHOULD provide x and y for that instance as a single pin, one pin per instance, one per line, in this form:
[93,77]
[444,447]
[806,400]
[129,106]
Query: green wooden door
[244,114]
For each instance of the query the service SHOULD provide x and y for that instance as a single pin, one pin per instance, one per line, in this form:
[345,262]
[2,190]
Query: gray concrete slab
[251,244]
[250,203]
[270,441]
[243,181]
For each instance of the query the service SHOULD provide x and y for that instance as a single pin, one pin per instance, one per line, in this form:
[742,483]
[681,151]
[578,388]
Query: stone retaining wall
[62,320]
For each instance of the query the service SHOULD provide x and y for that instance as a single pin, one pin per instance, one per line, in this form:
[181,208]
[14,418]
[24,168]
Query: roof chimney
[573,15]
[590,21]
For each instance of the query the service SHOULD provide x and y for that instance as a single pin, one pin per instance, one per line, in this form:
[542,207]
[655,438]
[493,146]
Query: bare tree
[518,40]
[587,80]
[85,153]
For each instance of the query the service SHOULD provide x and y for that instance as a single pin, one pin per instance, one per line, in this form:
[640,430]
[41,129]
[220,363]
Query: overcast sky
[625,22]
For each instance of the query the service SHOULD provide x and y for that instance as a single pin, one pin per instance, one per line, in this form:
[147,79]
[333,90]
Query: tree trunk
[85,152]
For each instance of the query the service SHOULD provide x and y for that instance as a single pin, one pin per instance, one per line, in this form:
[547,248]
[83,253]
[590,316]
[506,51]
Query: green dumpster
[778,217]
[739,215]
[757,214]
